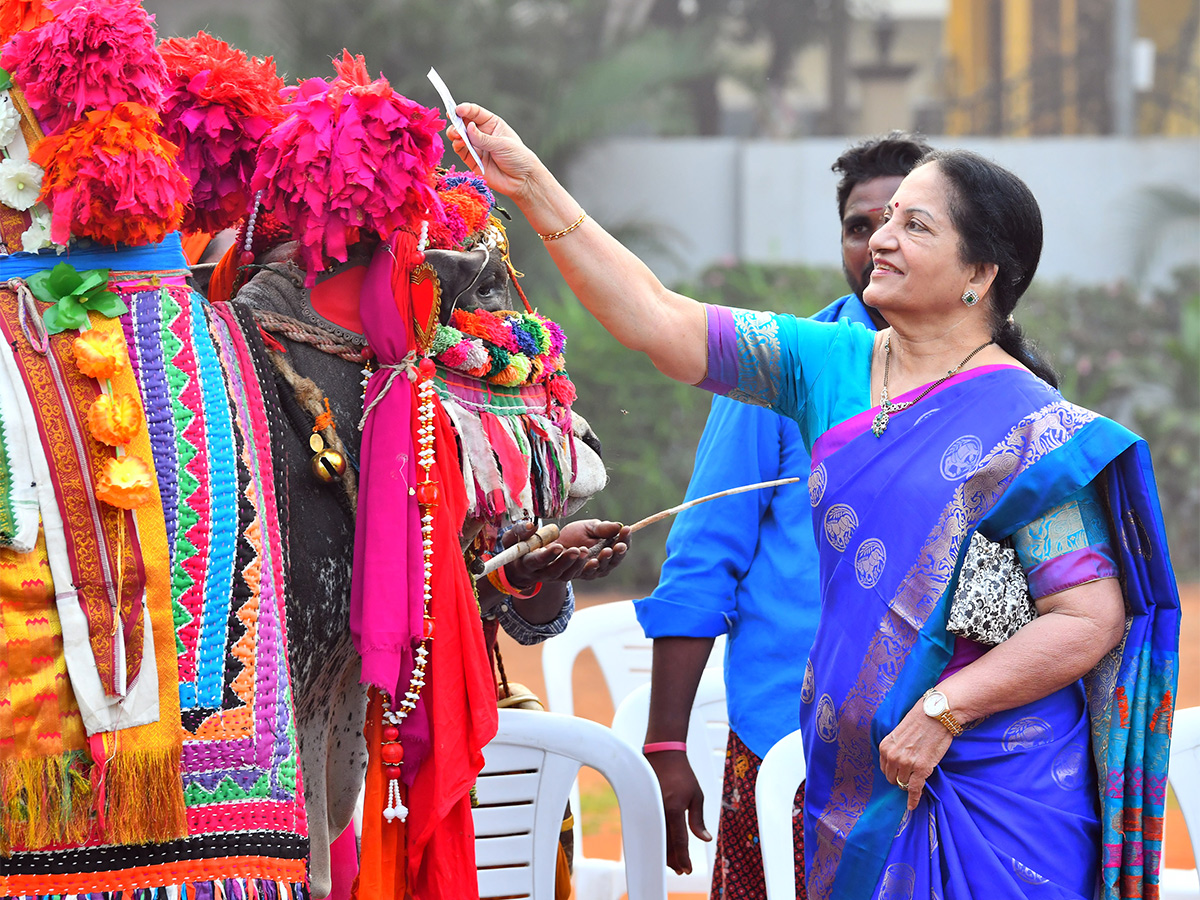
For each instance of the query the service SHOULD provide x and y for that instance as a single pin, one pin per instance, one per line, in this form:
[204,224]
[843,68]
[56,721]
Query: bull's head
[471,279]
[480,279]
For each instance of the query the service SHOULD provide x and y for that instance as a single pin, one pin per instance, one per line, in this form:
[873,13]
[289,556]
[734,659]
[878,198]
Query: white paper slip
[455,118]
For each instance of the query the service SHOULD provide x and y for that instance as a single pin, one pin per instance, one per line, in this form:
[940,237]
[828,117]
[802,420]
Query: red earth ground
[601,826]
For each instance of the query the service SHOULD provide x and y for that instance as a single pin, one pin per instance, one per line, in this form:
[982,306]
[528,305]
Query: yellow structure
[1030,67]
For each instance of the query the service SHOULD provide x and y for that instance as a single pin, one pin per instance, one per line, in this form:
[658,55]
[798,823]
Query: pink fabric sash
[386,609]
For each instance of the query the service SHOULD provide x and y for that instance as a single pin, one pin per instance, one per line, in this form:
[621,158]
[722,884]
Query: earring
[970,298]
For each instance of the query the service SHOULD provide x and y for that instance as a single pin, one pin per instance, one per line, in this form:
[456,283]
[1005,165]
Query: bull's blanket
[198,370]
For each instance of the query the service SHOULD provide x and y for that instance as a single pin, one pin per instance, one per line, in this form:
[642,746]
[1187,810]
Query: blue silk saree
[1046,800]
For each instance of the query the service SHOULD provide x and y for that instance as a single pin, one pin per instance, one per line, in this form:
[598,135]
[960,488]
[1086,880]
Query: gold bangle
[557,234]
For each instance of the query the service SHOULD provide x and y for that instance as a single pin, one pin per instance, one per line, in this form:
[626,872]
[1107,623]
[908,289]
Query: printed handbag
[992,599]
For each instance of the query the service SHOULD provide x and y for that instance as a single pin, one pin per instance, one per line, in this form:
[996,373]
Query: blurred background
[701,132]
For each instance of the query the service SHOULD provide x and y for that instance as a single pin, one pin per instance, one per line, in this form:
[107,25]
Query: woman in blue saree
[937,766]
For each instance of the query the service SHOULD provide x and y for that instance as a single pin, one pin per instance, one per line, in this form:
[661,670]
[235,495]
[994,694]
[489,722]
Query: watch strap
[952,724]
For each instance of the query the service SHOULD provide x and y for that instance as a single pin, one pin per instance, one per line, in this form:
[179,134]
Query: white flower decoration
[10,120]
[20,184]
[37,236]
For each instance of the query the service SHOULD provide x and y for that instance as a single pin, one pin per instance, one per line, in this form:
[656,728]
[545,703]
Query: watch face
[935,704]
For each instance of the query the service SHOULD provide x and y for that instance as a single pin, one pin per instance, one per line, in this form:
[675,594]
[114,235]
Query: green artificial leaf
[65,314]
[107,304]
[71,294]
[6,81]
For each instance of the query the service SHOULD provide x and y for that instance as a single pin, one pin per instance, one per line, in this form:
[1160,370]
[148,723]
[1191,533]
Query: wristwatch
[936,706]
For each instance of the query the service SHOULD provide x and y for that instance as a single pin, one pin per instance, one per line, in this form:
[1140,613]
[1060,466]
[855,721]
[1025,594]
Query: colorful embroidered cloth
[1012,807]
[101,540]
[221,549]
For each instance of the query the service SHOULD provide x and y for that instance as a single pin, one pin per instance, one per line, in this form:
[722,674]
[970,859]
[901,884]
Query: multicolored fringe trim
[223,889]
[517,449]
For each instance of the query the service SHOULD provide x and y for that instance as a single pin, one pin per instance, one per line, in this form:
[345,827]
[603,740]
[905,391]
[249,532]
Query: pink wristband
[659,746]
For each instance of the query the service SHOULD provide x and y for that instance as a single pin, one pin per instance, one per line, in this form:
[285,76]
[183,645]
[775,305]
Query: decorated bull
[520,455]
[188,516]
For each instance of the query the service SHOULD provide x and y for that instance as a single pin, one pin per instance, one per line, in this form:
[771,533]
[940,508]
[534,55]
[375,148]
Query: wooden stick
[594,551]
[538,539]
[667,513]
[548,533]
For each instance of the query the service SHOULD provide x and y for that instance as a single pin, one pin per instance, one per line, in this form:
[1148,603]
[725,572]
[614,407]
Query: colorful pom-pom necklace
[505,348]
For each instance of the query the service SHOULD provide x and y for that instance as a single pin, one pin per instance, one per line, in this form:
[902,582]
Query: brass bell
[328,466]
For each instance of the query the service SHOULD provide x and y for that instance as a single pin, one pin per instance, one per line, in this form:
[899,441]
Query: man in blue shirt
[746,566]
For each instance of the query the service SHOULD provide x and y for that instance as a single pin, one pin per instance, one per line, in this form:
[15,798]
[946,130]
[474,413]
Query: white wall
[718,200]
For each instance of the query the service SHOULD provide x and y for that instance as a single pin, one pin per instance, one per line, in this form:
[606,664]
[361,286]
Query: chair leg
[599,879]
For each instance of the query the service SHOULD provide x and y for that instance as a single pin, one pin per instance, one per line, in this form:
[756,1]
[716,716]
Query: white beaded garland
[395,809]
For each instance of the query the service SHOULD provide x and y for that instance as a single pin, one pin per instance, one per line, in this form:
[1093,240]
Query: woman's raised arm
[617,287]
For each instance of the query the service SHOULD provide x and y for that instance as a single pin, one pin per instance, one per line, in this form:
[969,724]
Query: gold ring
[901,784]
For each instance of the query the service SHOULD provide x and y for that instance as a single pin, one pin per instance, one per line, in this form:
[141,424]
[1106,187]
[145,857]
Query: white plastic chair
[779,778]
[1183,774]
[611,631]
[708,732]
[528,771]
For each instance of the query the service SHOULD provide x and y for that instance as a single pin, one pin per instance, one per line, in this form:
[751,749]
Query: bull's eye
[487,289]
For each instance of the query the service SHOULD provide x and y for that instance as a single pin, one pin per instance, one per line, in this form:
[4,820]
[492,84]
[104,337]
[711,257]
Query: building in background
[800,68]
[1066,67]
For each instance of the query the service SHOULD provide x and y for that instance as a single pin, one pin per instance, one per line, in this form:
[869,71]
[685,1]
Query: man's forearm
[678,664]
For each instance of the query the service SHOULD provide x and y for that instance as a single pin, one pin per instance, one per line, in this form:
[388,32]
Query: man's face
[864,213]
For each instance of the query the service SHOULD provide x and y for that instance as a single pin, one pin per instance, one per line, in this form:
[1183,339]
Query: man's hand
[570,557]
[683,805]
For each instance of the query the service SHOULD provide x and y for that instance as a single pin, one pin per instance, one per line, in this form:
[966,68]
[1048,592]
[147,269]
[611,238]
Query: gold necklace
[886,408]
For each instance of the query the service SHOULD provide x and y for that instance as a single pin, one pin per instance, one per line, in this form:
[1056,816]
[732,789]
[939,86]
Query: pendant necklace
[886,407]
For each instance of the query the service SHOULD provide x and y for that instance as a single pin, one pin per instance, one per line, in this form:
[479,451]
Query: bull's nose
[592,441]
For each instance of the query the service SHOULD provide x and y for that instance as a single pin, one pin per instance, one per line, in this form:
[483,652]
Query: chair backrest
[528,771]
[611,631]
[708,732]
[1184,770]
[779,778]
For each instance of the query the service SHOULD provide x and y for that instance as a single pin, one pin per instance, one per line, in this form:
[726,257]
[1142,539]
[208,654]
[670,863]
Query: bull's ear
[426,290]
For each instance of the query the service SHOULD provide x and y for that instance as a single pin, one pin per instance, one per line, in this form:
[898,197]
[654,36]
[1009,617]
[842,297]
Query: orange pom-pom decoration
[101,355]
[126,483]
[115,419]
[111,177]
[21,15]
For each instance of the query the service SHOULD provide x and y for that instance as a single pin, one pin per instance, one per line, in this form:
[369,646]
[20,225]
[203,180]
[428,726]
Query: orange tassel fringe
[52,801]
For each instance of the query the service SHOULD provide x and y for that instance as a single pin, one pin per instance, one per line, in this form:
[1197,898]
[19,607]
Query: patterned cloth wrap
[199,371]
[738,862]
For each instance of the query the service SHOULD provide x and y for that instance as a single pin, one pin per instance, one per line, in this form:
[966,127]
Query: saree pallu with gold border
[1046,800]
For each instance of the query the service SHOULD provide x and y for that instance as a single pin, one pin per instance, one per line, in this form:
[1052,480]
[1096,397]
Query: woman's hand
[510,166]
[912,751]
